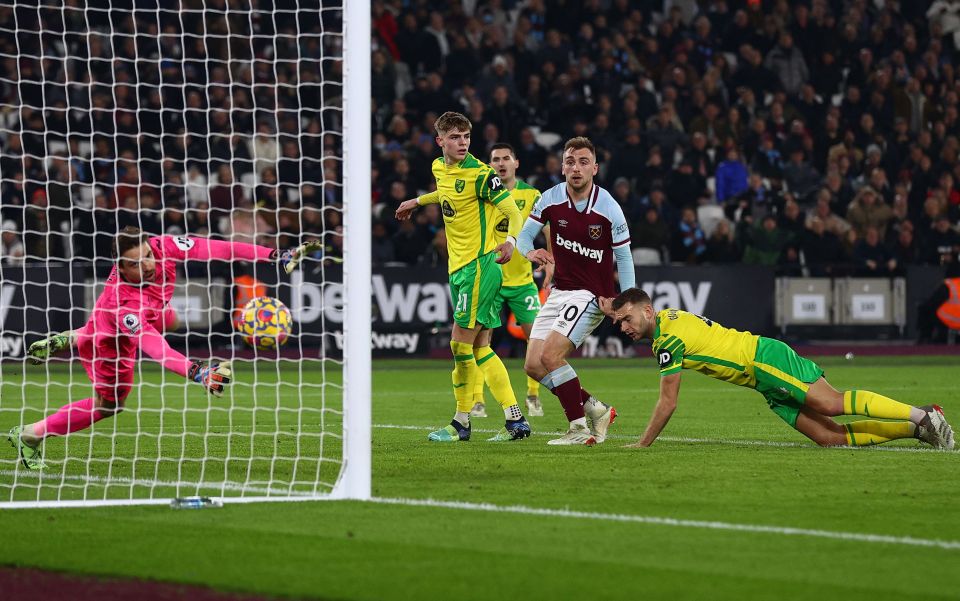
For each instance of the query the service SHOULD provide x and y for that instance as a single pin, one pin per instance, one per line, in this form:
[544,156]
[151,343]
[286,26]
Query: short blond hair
[450,121]
[578,143]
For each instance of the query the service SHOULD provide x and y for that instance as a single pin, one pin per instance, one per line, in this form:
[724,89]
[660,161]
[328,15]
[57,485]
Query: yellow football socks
[870,432]
[533,387]
[465,374]
[495,374]
[871,404]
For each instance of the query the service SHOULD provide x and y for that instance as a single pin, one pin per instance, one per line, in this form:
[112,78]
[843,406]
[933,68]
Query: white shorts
[573,313]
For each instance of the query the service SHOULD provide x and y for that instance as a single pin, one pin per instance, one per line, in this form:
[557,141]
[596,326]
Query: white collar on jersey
[591,198]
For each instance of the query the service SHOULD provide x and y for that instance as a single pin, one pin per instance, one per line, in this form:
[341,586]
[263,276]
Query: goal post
[355,480]
[240,121]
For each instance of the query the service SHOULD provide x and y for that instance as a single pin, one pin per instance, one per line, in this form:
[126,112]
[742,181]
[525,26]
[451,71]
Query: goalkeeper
[131,314]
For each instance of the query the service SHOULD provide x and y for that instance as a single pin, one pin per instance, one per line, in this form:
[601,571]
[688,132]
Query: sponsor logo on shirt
[447,209]
[595,231]
[584,251]
[131,322]
[503,226]
[495,184]
[665,358]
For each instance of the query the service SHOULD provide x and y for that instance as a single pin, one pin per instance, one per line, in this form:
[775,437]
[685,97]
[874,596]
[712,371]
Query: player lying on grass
[131,314]
[794,386]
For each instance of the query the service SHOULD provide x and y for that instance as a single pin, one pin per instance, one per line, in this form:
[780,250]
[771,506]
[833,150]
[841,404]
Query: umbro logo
[562,223]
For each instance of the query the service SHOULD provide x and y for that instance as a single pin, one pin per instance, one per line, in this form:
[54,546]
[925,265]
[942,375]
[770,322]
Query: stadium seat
[709,216]
[646,256]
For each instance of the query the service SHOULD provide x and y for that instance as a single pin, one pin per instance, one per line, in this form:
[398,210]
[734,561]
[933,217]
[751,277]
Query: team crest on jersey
[447,209]
[460,185]
[521,203]
[131,322]
[595,231]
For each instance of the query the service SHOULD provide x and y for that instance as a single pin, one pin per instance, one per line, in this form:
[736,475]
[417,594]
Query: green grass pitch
[724,458]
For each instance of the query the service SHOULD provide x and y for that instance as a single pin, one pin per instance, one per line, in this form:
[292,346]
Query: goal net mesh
[215,118]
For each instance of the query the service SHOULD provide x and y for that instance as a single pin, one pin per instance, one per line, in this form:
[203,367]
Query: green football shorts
[473,290]
[523,301]
[783,377]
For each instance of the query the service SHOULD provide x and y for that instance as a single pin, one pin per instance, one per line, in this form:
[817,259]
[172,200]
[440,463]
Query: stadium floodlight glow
[235,123]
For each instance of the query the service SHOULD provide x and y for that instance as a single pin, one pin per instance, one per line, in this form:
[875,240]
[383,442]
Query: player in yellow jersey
[473,200]
[519,292]
[794,386]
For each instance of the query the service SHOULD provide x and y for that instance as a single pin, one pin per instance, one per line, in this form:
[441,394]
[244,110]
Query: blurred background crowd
[820,136]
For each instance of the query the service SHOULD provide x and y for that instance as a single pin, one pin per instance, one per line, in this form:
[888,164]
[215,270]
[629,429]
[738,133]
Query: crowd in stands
[820,136]
[231,134]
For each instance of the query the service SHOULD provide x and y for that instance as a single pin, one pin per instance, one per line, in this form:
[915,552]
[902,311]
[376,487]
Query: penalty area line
[951,545]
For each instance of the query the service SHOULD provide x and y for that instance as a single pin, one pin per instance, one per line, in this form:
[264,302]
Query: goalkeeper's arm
[214,377]
[204,249]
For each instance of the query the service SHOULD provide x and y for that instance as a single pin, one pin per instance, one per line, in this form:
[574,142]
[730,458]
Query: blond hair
[450,121]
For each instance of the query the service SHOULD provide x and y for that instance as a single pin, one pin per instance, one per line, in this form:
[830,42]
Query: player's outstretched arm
[666,404]
[292,257]
[214,377]
[405,210]
[205,249]
[41,350]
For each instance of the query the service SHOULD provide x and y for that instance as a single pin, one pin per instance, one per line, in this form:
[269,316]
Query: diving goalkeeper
[131,314]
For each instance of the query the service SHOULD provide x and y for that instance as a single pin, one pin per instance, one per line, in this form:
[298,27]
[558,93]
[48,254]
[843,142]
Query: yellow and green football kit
[519,292]
[472,200]
[687,341]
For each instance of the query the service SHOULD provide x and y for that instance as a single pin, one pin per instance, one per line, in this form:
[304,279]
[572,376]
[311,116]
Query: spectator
[764,243]
[872,257]
[381,245]
[867,211]
[721,246]
[652,232]
[905,249]
[800,176]
[731,176]
[821,248]
[690,244]
[787,62]
[11,248]
[942,242]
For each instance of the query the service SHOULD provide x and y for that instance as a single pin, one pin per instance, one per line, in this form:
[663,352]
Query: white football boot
[600,417]
[934,429]
[534,408]
[478,410]
[576,435]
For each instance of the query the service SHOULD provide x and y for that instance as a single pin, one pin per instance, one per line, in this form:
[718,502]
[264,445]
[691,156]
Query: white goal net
[220,119]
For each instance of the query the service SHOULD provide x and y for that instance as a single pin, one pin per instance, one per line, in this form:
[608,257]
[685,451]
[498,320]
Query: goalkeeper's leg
[71,417]
[41,350]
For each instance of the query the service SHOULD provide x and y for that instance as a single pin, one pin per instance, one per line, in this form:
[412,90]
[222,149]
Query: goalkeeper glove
[41,350]
[290,258]
[213,377]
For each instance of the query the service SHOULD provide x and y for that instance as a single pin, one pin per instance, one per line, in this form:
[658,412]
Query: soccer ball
[265,323]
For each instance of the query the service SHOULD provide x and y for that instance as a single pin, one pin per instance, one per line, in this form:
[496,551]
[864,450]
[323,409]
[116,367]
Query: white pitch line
[950,545]
[685,439]
[120,480]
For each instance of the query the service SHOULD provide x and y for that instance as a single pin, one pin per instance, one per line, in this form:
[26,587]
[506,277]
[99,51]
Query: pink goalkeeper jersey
[127,317]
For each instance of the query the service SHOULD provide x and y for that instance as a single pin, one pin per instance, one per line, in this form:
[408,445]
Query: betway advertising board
[411,307]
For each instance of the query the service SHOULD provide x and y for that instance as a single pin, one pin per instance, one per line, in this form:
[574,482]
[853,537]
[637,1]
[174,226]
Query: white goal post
[225,120]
